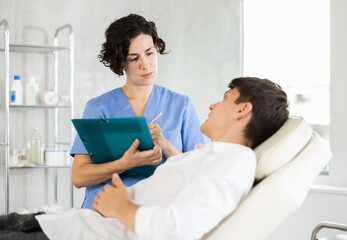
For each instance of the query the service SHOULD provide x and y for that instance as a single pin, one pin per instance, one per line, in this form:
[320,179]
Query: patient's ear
[245,110]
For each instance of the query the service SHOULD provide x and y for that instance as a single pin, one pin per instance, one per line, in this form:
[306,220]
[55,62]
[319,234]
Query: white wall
[320,207]
[204,58]
[203,37]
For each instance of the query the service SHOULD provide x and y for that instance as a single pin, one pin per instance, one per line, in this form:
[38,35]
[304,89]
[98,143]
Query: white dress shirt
[184,199]
[192,192]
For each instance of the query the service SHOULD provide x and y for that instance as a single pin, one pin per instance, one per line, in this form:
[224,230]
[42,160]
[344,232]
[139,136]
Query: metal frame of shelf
[34,49]
[41,50]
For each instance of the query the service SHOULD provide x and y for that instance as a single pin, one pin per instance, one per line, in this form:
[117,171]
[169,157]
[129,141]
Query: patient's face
[221,115]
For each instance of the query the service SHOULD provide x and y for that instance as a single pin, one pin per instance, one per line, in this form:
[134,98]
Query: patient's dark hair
[269,107]
[118,36]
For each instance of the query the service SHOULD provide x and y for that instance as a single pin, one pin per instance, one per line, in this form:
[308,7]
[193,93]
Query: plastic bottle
[35,147]
[16,91]
[31,91]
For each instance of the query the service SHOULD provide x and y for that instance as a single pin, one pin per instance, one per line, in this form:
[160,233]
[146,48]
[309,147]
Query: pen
[156,117]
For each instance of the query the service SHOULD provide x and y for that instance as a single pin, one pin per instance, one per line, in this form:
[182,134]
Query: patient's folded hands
[114,202]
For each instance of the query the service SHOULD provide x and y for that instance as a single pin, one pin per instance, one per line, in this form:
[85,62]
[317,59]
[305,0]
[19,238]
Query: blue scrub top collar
[152,107]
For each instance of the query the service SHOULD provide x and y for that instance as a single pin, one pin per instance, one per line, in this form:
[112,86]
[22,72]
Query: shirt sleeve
[78,147]
[198,208]
[191,134]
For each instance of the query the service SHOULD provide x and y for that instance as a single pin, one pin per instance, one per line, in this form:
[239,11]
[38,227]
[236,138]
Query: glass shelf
[34,49]
[37,106]
[35,167]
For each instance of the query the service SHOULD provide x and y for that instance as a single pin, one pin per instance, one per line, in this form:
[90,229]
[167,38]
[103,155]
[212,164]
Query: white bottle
[36,147]
[31,91]
[16,91]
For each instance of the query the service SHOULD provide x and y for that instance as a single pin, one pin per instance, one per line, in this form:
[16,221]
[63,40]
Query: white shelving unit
[5,143]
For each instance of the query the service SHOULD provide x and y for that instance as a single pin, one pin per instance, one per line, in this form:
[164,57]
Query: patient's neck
[235,137]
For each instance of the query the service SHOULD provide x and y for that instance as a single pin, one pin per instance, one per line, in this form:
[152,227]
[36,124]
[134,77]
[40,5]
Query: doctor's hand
[114,202]
[166,146]
[157,135]
[134,158]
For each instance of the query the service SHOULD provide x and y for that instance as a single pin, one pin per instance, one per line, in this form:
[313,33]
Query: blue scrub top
[179,122]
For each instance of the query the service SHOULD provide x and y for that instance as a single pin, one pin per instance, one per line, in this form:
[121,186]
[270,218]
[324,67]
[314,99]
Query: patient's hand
[114,202]
[108,201]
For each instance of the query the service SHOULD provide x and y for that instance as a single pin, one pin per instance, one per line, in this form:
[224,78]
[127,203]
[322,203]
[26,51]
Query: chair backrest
[288,163]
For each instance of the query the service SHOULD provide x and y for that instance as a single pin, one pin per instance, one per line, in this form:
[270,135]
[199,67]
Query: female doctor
[132,46]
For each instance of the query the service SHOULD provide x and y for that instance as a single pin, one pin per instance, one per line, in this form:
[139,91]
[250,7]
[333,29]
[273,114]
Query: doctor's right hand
[135,158]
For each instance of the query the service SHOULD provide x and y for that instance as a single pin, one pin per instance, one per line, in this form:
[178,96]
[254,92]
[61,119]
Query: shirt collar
[220,146]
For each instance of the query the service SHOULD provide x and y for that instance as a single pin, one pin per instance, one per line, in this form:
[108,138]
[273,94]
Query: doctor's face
[141,63]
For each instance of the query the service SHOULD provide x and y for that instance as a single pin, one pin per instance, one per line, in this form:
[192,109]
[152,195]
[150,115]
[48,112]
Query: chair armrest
[332,225]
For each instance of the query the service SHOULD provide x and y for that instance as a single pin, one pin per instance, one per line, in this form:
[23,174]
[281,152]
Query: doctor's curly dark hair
[118,36]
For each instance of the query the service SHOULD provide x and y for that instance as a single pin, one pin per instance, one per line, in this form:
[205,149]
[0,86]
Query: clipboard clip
[85,142]
[91,155]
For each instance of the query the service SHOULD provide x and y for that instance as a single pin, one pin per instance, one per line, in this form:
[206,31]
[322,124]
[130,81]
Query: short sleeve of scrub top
[179,122]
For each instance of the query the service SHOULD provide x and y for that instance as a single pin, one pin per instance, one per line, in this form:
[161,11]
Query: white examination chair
[288,163]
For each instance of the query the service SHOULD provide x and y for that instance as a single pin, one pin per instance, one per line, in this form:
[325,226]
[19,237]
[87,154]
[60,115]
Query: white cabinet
[55,111]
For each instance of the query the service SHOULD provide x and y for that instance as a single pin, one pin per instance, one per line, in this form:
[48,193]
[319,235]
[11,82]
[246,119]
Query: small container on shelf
[48,97]
[31,91]
[18,157]
[16,91]
[35,147]
[56,157]
[64,100]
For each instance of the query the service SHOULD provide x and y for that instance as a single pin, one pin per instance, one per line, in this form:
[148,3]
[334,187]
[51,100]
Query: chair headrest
[281,147]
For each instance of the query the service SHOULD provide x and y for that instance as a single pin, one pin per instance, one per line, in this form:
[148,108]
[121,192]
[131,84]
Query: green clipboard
[107,139]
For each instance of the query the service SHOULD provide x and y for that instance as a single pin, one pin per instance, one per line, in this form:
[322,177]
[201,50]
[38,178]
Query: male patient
[192,192]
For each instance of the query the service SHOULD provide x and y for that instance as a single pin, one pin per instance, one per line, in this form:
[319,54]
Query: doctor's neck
[135,91]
